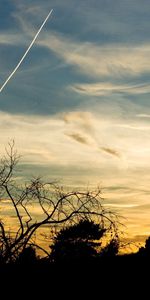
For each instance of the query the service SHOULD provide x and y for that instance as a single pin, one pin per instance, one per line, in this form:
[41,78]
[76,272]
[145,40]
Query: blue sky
[78,107]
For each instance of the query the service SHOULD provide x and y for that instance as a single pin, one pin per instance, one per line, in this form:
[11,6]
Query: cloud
[11,39]
[79,138]
[147,116]
[118,20]
[116,60]
[108,88]
[144,127]
[90,58]
[80,119]
[110,151]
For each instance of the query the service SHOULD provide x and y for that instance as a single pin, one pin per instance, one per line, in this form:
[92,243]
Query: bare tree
[57,207]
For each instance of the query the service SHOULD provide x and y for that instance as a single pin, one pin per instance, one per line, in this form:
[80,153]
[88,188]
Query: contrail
[23,57]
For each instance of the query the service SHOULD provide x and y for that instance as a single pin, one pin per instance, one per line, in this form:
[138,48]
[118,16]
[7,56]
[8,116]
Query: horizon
[78,107]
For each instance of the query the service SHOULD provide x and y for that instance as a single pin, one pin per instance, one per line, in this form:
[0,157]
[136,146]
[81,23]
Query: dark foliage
[111,249]
[79,242]
[145,251]
[27,256]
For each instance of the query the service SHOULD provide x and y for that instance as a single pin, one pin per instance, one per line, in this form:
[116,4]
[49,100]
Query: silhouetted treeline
[79,244]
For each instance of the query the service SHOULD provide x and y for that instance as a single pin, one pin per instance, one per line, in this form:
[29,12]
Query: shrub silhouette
[147,245]
[27,256]
[77,242]
[111,249]
[145,251]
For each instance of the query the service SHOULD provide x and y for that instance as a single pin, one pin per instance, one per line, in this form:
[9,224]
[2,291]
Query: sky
[79,105]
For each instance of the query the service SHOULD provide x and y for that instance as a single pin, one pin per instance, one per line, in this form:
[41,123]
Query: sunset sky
[79,105]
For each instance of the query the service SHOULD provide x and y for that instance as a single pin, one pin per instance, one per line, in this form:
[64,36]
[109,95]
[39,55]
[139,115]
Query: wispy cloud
[143,127]
[80,119]
[118,60]
[147,116]
[11,39]
[108,88]
[110,151]
[79,138]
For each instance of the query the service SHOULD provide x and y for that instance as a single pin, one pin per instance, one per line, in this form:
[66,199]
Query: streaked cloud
[143,127]
[108,88]
[110,151]
[79,138]
[143,116]
[11,39]
[117,60]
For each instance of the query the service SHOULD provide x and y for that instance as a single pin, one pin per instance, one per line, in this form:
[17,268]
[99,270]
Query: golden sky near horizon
[70,147]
